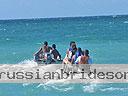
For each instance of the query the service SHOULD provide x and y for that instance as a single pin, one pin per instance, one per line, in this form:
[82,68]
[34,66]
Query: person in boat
[55,53]
[78,53]
[84,58]
[89,58]
[46,47]
[70,53]
[38,56]
[44,53]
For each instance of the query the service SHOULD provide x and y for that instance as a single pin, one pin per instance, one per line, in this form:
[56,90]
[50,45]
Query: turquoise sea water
[106,37]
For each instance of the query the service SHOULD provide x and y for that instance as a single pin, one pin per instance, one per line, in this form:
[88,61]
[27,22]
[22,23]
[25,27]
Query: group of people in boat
[47,54]
[74,55]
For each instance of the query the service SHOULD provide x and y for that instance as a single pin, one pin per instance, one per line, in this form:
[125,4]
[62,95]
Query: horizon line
[61,17]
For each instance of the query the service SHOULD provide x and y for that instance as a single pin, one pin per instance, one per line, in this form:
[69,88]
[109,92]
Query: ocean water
[106,37]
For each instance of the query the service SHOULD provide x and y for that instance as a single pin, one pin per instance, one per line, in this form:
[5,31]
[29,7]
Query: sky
[23,9]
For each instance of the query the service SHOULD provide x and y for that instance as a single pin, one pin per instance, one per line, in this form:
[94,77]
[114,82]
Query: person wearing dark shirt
[55,53]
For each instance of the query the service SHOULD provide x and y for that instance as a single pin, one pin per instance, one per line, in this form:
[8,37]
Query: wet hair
[45,43]
[54,46]
[72,42]
[79,49]
[85,52]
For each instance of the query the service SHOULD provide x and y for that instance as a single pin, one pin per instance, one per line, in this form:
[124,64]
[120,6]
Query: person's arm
[59,55]
[38,51]
[77,60]
[66,55]
[50,48]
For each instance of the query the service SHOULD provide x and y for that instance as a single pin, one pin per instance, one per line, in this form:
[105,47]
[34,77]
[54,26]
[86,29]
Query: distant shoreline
[63,17]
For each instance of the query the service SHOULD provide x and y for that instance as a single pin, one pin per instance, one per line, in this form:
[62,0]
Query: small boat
[42,62]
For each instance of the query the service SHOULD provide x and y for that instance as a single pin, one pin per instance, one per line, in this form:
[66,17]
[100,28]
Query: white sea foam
[30,63]
[26,84]
[4,29]
[90,24]
[125,22]
[95,87]
[90,88]
[110,22]
[7,39]
[114,89]
[58,87]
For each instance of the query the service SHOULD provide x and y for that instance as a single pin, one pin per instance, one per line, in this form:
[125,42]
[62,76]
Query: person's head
[79,49]
[71,43]
[45,43]
[54,46]
[86,52]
